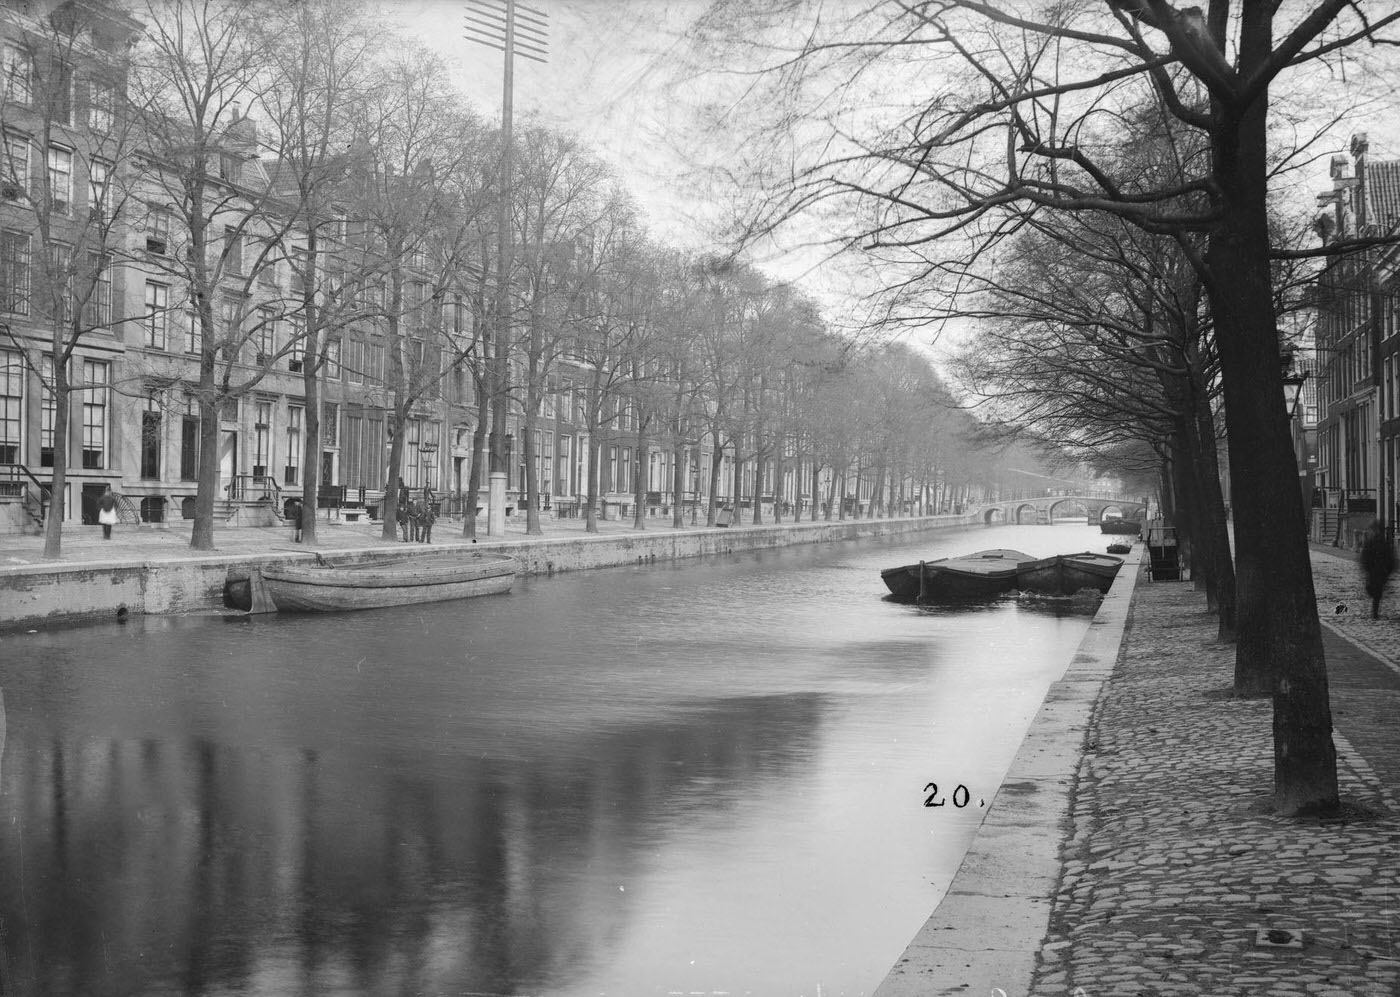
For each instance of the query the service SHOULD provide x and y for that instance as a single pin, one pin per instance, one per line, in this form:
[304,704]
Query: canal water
[698,777]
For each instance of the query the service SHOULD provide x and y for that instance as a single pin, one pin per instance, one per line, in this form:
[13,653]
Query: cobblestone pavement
[1175,869]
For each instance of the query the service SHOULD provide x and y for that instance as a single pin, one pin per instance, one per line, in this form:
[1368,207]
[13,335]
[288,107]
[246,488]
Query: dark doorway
[91,493]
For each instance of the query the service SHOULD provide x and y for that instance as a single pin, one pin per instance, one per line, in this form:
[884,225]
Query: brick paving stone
[1174,861]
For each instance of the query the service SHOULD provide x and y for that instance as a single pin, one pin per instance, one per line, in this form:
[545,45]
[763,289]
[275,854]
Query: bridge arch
[1074,500]
[994,514]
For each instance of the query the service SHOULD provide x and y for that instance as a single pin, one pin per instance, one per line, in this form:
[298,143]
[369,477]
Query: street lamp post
[1292,394]
[426,450]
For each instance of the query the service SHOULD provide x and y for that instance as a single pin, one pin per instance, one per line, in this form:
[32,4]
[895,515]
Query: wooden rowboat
[973,576]
[395,582]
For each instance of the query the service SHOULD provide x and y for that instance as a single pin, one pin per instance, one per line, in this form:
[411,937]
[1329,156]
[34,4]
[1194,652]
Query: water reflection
[682,777]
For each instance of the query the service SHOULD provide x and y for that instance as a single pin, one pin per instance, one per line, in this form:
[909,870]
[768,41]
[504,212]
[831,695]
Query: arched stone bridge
[1044,509]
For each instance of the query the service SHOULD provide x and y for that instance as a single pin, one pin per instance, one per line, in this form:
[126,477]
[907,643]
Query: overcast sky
[603,80]
[611,78]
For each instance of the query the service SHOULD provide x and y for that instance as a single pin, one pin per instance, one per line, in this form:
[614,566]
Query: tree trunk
[202,533]
[311,444]
[532,483]
[640,482]
[473,491]
[679,473]
[1280,638]
[778,488]
[595,449]
[53,516]
[716,472]
[1215,529]
[760,464]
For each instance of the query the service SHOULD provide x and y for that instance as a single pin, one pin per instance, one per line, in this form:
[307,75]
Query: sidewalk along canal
[171,578]
[983,936]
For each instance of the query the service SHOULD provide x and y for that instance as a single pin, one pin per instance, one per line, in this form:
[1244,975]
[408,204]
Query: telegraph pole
[512,29]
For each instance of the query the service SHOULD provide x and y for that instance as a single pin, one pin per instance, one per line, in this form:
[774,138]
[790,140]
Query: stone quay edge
[152,572]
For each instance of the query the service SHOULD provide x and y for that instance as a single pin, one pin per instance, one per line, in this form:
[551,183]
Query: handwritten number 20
[961,796]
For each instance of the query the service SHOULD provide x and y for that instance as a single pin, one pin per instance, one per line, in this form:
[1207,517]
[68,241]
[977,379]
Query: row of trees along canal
[1111,188]
[365,199]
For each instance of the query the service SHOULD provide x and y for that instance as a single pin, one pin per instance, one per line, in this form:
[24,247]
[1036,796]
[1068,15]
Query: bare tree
[214,223]
[318,73]
[65,120]
[1041,86]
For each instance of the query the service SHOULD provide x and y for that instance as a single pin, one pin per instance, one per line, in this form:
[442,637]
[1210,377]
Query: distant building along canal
[705,775]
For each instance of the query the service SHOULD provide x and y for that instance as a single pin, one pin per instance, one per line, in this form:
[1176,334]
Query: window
[300,262]
[189,441]
[565,464]
[11,405]
[151,438]
[229,167]
[99,206]
[48,413]
[60,282]
[354,362]
[376,362]
[330,427]
[14,272]
[97,312]
[262,439]
[231,326]
[94,415]
[624,483]
[267,272]
[157,312]
[14,171]
[332,370]
[291,469]
[233,250]
[60,179]
[194,337]
[296,345]
[61,101]
[267,336]
[102,102]
[158,231]
[354,443]
[18,75]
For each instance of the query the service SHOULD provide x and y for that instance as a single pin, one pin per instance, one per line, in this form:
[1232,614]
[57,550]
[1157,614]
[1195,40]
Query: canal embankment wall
[983,936]
[47,594]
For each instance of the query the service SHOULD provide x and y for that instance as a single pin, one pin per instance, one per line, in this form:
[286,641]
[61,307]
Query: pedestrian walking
[107,511]
[1377,564]
[403,511]
[293,511]
[429,514]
